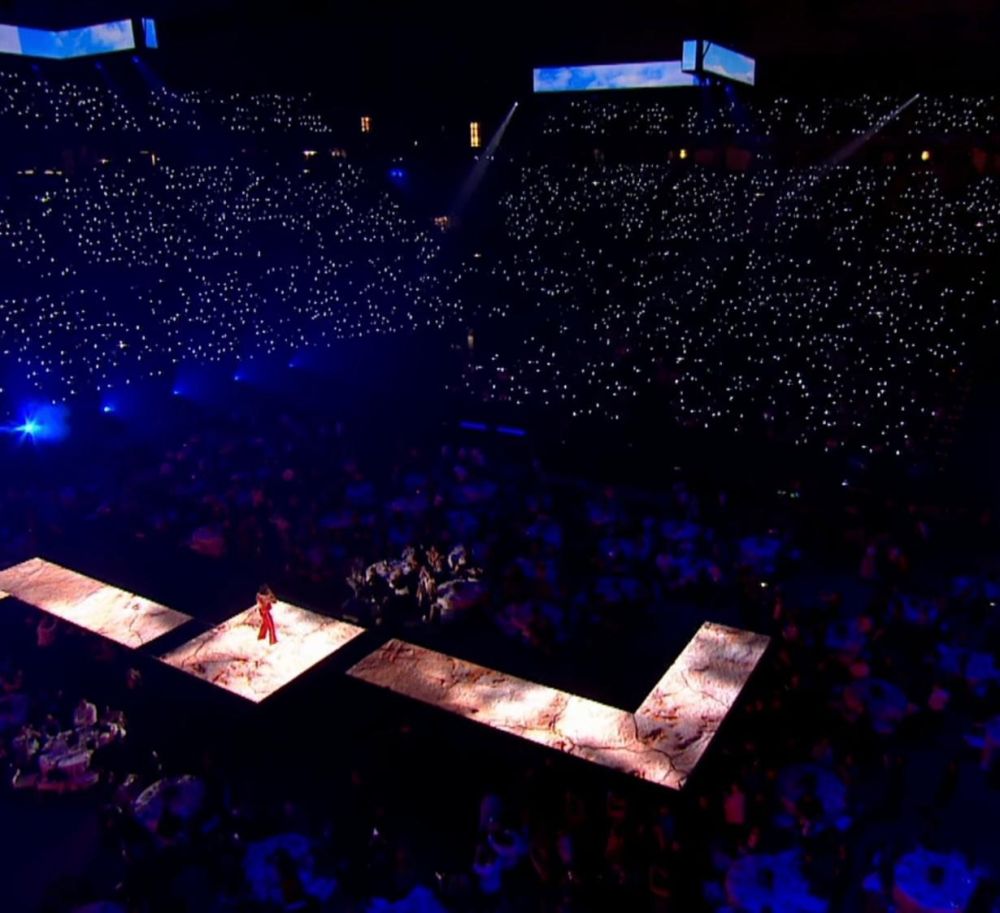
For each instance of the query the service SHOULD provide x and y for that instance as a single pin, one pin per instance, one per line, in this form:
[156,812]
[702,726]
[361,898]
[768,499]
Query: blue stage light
[107,407]
[42,422]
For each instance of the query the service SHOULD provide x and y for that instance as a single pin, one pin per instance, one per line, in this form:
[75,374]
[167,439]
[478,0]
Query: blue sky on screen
[689,55]
[10,40]
[723,62]
[94,39]
[612,76]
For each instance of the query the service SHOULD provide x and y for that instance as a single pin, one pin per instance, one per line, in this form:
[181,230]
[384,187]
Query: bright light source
[309,153]
[925,156]
[683,154]
[475,141]
[366,124]
[30,427]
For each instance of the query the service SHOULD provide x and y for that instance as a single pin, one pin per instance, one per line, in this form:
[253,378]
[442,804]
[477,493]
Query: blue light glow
[41,423]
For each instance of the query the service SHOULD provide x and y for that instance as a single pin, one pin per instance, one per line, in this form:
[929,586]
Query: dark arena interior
[527,458]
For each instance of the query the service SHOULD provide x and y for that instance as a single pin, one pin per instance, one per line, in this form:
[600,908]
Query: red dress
[266,621]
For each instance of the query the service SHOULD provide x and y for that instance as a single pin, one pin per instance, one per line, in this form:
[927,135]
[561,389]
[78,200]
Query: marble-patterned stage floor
[123,617]
[661,742]
[230,656]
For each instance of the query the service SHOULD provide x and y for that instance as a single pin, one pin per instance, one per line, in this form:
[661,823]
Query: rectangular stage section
[684,711]
[566,722]
[231,657]
[123,617]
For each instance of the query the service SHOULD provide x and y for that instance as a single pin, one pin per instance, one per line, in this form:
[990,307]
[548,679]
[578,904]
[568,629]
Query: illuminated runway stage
[661,742]
[231,657]
[123,617]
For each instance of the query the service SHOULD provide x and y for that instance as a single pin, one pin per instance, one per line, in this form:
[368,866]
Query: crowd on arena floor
[847,776]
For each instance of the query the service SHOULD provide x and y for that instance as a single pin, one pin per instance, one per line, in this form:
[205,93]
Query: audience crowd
[830,305]
[934,114]
[841,305]
[43,102]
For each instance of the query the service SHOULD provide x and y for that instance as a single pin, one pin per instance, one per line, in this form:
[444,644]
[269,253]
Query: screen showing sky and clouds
[723,62]
[83,42]
[657,74]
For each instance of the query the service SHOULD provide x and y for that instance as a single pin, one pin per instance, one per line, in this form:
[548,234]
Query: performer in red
[265,600]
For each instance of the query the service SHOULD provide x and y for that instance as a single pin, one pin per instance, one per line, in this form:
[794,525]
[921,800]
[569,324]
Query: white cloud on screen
[10,40]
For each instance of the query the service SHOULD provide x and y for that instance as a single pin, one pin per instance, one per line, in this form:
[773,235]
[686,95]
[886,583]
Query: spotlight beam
[855,144]
[475,178]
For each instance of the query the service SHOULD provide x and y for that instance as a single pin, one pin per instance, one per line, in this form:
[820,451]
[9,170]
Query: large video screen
[655,75]
[10,40]
[723,62]
[83,42]
[149,30]
[689,56]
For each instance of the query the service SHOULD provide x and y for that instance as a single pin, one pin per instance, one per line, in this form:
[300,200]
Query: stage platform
[230,656]
[661,742]
[130,620]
